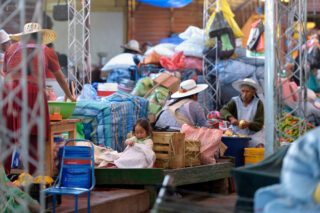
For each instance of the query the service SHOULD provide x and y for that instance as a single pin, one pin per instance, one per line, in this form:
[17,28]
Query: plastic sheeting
[166,3]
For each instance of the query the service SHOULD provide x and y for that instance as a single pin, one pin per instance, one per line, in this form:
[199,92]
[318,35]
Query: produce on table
[291,128]
[25,179]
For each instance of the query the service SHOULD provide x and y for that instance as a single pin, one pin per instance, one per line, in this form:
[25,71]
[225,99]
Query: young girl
[142,134]
[138,153]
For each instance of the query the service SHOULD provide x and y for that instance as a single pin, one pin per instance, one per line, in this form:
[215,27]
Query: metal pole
[270,32]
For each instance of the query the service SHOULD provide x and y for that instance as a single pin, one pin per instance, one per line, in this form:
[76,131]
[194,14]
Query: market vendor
[245,112]
[5,42]
[12,109]
[183,108]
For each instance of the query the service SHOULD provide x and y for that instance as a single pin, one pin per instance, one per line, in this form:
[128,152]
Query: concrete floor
[138,200]
[109,200]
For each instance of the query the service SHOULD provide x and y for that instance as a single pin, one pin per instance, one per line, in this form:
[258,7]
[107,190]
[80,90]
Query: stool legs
[89,202]
[76,203]
[54,203]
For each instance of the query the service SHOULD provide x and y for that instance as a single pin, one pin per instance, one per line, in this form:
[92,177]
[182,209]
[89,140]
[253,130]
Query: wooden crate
[170,149]
[192,153]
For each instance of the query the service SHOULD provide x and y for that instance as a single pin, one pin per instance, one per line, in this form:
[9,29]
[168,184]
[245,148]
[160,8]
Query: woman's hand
[129,143]
[234,121]
[72,98]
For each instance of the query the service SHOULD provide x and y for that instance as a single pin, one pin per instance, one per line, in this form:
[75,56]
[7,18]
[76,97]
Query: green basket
[65,108]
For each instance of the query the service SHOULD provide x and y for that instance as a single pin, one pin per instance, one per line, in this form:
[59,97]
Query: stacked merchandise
[108,121]
[225,58]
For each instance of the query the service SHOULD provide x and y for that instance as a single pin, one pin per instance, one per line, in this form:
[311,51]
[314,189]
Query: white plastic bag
[121,61]
[191,48]
[193,33]
[164,49]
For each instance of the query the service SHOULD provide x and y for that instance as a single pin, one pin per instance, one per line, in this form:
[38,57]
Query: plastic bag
[232,70]
[193,33]
[153,58]
[191,48]
[157,99]
[164,49]
[210,140]
[260,46]
[88,93]
[219,25]
[142,86]
[255,34]
[174,63]
[229,17]
[121,61]
[193,63]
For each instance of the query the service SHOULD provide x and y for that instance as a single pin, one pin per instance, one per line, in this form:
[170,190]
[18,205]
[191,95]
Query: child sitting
[142,134]
[138,153]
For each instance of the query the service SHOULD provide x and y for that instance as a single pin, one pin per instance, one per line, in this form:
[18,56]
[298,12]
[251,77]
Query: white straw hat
[132,45]
[247,81]
[187,88]
[48,36]
[4,37]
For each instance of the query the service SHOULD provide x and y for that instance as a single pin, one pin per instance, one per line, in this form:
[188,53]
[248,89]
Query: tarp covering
[166,3]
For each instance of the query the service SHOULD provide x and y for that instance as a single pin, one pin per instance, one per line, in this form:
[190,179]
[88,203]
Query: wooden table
[57,127]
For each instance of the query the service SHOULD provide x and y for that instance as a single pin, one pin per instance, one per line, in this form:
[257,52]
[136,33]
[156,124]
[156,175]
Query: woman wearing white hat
[132,46]
[13,61]
[5,42]
[245,112]
[184,108]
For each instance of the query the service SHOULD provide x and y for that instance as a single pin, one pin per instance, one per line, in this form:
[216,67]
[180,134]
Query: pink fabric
[289,91]
[174,63]
[193,63]
[210,140]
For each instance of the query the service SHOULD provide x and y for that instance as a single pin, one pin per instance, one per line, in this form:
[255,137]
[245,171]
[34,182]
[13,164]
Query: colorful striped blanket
[108,121]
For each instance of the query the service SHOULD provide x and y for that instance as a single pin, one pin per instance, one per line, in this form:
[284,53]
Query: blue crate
[236,147]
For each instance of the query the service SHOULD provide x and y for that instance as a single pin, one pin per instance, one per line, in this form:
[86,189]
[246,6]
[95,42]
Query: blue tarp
[167,3]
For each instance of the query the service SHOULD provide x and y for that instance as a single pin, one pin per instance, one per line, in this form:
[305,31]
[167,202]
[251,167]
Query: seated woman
[245,112]
[183,108]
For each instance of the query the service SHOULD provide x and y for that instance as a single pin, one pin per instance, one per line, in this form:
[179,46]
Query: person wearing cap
[245,112]
[13,59]
[183,108]
[5,42]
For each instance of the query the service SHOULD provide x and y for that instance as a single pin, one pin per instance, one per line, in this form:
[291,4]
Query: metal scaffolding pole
[270,68]
[79,64]
[283,21]
[210,67]
[13,16]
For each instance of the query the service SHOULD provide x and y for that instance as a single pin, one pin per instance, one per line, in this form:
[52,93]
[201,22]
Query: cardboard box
[168,81]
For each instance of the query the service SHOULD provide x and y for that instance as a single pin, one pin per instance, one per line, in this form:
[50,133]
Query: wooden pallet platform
[154,176]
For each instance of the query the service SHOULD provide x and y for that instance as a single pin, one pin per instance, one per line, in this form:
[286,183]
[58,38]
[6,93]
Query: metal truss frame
[79,64]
